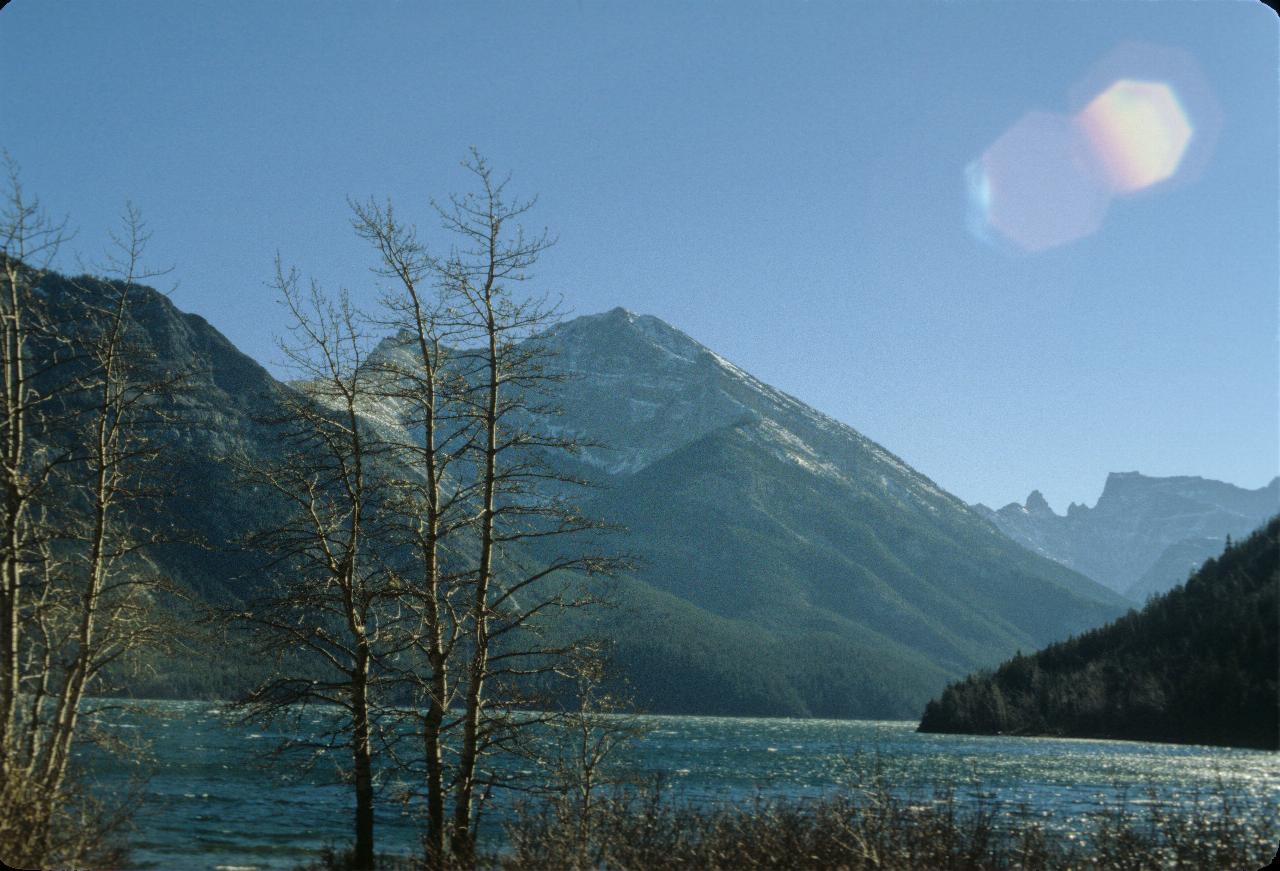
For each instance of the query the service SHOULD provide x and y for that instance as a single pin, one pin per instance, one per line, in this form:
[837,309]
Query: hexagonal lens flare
[1035,186]
[1138,133]
[1144,116]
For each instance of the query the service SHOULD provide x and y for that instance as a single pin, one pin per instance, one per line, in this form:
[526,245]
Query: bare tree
[417,578]
[480,505]
[319,615]
[585,742]
[430,503]
[111,484]
[532,553]
[78,593]
[30,242]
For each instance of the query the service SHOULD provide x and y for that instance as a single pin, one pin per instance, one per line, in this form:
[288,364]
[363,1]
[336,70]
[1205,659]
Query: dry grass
[875,828]
[70,829]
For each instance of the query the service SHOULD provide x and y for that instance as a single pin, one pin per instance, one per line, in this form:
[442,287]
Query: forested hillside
[1196,665]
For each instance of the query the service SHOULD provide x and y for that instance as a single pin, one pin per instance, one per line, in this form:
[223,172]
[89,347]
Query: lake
[214,801]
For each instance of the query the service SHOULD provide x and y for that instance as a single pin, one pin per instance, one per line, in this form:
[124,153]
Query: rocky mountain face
[218,412]
[1145,535]
[787,564]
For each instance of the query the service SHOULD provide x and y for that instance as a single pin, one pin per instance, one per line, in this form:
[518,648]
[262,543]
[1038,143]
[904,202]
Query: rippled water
[213,801]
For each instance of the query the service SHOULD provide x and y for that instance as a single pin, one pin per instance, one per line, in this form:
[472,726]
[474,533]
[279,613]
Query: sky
[790,183]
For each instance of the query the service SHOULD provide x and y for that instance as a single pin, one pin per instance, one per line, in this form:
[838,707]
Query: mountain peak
[1036,503]
[622,330]
[1144,530]
[1123,485]
[1121,479]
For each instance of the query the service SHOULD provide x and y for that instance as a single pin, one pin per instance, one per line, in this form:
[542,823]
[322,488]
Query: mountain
[1197,665]
[861,580]
[1145,534]
[788,564]
[217,416]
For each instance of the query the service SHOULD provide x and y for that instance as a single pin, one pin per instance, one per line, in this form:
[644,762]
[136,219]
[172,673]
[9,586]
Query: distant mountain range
[789,565]
[1145,535]
[1198,665]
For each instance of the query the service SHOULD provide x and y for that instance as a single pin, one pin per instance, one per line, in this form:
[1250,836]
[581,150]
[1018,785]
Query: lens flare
[1035,187]
[1144,118]
[1151,109]
[1138,133]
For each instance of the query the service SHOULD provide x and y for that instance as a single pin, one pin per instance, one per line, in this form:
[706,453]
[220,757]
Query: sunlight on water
[215,799]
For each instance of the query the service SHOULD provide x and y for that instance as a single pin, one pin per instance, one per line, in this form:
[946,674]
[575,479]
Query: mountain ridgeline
[1145,534]
[1197,665]
[787,565]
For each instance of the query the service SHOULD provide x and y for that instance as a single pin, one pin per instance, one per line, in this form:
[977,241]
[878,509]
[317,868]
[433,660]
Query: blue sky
[783,181]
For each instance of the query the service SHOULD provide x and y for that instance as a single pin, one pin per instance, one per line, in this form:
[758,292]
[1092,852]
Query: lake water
[213,801]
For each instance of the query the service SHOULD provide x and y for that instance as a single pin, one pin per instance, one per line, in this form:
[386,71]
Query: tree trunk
[464,837]
[435,784]
[362,763]
[436,656]
[434,719]
[11,628]
[14,514]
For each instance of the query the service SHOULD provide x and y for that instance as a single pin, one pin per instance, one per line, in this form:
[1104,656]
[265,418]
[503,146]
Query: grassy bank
[875,828]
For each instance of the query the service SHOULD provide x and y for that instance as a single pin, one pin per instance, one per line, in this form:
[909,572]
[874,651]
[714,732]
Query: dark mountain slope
[680,658]
[1197,665]
[748,536]
[216,415]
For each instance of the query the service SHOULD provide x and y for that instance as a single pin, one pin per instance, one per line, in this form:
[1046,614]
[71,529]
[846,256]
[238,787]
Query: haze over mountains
[789,565]
[1145,535]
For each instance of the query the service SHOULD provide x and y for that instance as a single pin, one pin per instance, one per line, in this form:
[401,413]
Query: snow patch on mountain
[790,447]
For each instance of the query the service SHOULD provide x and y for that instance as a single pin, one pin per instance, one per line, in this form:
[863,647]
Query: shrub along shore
[875,827]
